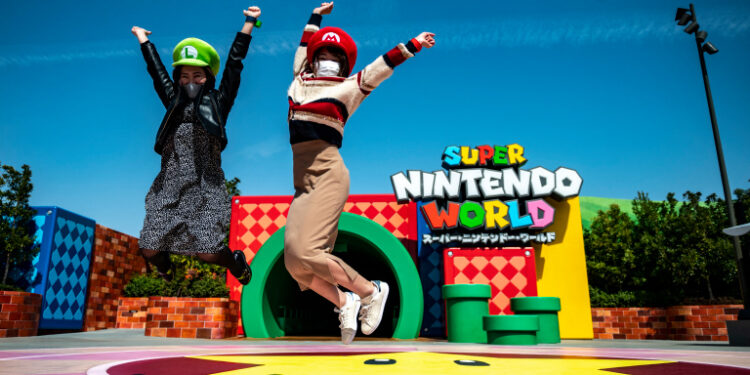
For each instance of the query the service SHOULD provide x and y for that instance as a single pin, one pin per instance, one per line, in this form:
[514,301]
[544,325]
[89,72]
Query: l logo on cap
[189,52]
[331,37]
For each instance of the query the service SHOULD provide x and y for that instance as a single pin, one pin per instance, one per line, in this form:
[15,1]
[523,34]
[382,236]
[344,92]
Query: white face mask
[327,68]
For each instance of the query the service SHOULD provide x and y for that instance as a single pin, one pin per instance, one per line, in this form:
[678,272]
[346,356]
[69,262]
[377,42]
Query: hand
[426,39]
[140,33]
[252,11]
[324,8]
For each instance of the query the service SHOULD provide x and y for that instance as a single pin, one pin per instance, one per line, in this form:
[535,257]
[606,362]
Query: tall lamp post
[683,17]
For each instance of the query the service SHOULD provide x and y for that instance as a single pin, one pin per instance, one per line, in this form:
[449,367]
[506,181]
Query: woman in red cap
[321,98]
[188,208]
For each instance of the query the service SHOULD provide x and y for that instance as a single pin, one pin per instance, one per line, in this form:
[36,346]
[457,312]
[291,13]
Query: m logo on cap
[331,37]
[189,52]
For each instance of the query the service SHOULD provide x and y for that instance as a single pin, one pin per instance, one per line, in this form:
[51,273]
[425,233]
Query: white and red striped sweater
[320,106]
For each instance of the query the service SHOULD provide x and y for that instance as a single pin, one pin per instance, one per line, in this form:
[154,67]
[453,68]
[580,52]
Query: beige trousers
[321,185]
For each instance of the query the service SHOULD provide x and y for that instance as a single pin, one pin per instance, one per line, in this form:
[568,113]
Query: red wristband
[416,44]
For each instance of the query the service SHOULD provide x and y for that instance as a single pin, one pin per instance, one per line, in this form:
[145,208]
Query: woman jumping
[188,208]
[322,96]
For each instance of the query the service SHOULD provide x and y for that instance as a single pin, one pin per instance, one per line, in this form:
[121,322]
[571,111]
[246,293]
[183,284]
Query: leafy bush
[672,253]
[10,288]
[192,278]
[145,286]
[600,298]
[209,287]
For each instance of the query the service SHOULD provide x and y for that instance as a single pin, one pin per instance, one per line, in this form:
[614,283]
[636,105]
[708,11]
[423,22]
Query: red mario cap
[333,37]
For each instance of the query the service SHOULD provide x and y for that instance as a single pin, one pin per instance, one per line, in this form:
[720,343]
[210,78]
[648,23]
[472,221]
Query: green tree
[610,251]
[722,264]
[611,258]
[703,249]
[674,251]
[653,227]
[232,188]
[15,217]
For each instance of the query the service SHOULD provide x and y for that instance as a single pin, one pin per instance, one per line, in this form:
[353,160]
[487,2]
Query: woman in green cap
[188,208]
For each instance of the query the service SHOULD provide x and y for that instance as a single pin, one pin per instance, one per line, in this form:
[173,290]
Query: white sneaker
[373,306]
[348,317]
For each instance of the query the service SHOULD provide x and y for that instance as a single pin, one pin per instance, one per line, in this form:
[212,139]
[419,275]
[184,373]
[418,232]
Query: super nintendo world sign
[483,197]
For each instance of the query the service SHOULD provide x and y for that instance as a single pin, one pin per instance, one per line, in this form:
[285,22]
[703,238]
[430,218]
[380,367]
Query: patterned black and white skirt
[188,208]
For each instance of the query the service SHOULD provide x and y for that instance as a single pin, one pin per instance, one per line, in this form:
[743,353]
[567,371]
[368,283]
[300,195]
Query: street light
[683,17]
[709,48]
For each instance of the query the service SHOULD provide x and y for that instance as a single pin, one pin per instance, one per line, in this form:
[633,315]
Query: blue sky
[609,88]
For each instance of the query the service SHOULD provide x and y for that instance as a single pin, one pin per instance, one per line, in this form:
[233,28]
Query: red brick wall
[202,318]
[132,312]
[115,258]
[690,323]
[19,313]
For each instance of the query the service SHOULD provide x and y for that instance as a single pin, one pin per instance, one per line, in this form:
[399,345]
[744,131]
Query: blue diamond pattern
[69,269]
[62,279]
[81,256]
[65,304]
[59,267]
[72,252]
[52,277]
[63,228]
[71,247]
[55,259]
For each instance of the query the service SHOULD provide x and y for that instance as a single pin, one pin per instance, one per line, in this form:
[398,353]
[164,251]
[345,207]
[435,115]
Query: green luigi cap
[195,52]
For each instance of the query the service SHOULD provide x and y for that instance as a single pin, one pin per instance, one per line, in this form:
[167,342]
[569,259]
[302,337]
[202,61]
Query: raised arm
[313,25]
[162,81]
[379,70]
[230,79]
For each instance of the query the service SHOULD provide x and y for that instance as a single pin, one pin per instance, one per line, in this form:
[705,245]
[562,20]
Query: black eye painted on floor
[380,361]
[470,362]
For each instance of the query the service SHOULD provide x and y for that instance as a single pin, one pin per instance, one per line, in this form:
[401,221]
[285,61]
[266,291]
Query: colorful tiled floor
[128,352]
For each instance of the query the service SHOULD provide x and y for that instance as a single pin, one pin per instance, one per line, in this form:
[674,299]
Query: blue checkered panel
[431,273]
[64,296]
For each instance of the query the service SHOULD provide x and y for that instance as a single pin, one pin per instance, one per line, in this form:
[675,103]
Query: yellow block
[561,270]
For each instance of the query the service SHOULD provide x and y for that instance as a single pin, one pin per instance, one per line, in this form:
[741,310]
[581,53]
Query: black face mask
[192,89]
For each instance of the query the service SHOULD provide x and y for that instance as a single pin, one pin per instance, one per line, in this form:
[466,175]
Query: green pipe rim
[515,323]
[535,304]
[466,291]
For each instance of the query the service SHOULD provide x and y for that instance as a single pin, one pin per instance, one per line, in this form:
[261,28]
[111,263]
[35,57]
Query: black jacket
[212,105]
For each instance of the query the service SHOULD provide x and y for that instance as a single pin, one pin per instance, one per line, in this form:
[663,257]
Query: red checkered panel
[255,219]
[510,272]
[399,219]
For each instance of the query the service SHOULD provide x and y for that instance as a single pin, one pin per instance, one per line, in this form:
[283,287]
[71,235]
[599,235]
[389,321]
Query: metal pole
[723,171]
